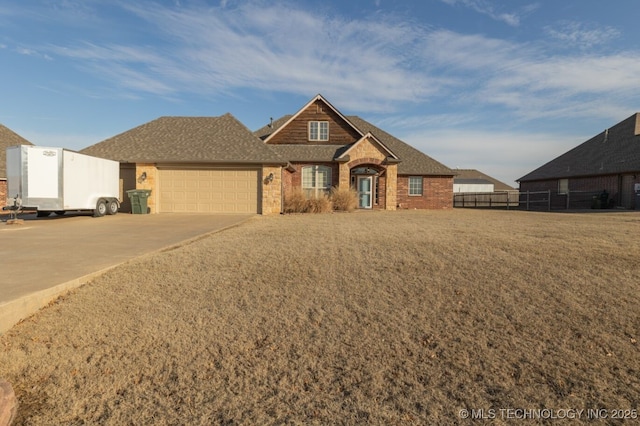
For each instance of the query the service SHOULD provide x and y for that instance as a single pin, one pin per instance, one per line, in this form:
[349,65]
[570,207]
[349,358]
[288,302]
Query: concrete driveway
[46,257]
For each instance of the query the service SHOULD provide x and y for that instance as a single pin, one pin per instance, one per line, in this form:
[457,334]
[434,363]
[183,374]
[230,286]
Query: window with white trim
[318,130]
[316,180]
[563,186]
[415,185]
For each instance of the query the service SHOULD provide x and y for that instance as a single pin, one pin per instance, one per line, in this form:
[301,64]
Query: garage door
[208,191]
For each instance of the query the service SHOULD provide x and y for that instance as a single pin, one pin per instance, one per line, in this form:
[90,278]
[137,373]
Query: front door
[365,184]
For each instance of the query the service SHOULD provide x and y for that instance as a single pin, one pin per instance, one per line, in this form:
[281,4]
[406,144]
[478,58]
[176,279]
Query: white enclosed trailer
[59,180]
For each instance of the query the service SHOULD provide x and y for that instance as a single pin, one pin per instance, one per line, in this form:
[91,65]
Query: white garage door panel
[208,191]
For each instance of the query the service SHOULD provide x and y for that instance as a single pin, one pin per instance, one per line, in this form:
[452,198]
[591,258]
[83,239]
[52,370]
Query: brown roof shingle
[8,138]
[616,150]
[221,139]
[412,161]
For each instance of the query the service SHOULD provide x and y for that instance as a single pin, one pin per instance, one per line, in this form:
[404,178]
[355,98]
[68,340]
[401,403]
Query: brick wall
[292,181]
[437,193]
[581,190]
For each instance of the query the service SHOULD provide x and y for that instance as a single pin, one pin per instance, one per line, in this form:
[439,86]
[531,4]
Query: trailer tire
[101,209]
[59,212]
[41,213]
[112,207]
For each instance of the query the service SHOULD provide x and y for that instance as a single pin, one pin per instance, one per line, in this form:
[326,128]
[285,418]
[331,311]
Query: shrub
[345,200]
[321,204]
[295,202]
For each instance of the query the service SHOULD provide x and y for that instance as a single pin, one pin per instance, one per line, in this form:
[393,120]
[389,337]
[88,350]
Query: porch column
[344,179]
[392,187]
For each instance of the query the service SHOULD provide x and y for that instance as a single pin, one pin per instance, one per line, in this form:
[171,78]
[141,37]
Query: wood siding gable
[296,130]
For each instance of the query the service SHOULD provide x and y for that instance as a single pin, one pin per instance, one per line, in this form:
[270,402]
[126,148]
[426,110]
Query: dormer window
[318,130]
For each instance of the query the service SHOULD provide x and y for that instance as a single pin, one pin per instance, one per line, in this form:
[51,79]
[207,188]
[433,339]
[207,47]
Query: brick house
[610,161]
[327,149]
[217,165]
[7,138]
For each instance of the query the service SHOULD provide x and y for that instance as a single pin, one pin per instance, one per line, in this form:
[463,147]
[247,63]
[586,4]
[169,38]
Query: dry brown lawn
[402,317]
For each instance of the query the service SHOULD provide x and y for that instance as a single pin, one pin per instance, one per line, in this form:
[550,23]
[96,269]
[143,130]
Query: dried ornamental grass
[345,200]
[295,202]
[320,204]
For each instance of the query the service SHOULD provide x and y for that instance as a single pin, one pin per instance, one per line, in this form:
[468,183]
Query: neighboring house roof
[466,176]
[457,181]
[614,151]
[411,162]
[8,138]
[221,139]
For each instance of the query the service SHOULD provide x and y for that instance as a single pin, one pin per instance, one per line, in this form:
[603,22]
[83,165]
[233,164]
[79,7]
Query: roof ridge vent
[637,129]
[606,135]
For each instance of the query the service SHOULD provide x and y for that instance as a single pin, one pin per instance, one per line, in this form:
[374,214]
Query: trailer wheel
[41,213]
[112,207]
[59,212]
[101,209]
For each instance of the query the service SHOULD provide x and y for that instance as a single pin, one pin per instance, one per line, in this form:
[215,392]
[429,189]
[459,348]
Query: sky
[502,86]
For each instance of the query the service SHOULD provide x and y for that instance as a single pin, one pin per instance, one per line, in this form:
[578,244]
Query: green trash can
[138,199]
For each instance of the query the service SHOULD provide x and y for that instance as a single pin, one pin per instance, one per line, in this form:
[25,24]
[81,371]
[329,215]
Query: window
[415,185]
[318,130]
[563,186]
[316,180]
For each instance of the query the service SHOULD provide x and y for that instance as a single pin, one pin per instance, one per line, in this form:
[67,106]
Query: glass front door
[365,193]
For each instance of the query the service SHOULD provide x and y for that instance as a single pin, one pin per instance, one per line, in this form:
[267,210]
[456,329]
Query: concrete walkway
[46,257]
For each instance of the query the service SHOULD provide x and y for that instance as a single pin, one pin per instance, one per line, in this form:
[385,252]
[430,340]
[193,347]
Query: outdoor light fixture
[270,177]
[142,177]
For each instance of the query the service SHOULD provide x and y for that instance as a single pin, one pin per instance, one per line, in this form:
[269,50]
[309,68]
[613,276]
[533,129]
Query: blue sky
[500,86]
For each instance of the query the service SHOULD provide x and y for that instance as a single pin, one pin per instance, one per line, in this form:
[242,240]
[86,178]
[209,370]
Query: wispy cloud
[489,9]
[31,52]
[581,35]
[369,64]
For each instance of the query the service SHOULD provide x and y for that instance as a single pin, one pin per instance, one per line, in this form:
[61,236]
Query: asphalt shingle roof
[466,175]
[412,161]
[8,138]
[221,139]
[616,150]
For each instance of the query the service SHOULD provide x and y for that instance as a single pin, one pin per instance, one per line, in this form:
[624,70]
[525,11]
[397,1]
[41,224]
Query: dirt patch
[384,317]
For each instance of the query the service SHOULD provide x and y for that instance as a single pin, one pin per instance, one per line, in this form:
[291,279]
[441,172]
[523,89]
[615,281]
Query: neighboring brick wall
[437,193]
[619,187]
[3,193]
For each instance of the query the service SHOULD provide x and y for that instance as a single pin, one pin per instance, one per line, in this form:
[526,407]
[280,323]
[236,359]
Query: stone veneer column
[392,187]
[149,183]
[271,190]
[345,176]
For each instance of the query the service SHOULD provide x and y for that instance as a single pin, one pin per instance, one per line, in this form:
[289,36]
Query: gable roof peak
[315,99]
